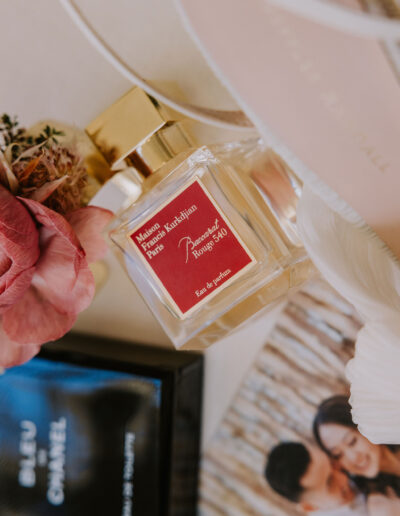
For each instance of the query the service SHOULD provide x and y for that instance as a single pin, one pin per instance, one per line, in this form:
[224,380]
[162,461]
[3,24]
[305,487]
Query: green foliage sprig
[15,137]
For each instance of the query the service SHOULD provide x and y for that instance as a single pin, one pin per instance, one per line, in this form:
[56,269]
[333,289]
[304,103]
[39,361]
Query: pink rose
[45,280]
[19,249]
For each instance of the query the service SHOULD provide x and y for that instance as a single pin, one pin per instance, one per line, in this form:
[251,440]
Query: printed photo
[288,444]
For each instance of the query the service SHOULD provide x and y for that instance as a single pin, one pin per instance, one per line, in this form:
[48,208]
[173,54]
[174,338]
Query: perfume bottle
[201,243]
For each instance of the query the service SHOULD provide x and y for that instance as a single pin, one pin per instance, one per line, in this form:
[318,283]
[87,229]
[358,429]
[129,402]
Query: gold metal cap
[137,130]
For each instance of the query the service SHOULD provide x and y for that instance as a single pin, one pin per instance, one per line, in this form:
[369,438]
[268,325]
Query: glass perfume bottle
[205,245]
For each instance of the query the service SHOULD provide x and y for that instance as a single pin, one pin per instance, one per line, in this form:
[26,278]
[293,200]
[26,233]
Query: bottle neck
[160,148]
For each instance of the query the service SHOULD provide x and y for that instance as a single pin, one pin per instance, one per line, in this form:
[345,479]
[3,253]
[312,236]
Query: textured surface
[301,364]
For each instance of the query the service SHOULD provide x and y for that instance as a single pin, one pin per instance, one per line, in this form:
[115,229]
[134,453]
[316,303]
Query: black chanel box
[95,426]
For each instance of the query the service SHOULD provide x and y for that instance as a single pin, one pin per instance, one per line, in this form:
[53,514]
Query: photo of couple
[342,474]
[288,446]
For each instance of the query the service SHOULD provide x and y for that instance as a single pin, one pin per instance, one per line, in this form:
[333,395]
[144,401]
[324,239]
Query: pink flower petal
[62,275]
[19,248]
[5,262]
[12,353]
[42,193]
[88,224]
[53,220]
[18,233]
[16,289]
[35,319]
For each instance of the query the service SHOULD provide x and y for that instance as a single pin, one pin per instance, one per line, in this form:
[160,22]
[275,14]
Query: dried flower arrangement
[48,236]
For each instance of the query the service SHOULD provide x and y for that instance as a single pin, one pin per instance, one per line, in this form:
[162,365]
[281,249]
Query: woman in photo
[375,469]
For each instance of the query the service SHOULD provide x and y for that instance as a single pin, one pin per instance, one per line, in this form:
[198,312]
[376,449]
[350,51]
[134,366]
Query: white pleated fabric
[375,382]
[361,268]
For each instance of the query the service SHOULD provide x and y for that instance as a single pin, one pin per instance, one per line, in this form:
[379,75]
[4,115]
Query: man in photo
[304,475]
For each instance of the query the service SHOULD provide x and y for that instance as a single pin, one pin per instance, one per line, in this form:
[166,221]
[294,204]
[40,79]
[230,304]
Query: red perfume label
[190,248]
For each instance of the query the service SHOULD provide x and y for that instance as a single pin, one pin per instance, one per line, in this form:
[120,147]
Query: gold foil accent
[139,130]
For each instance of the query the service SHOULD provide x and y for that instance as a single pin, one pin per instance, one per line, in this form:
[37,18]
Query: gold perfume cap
[137,130]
